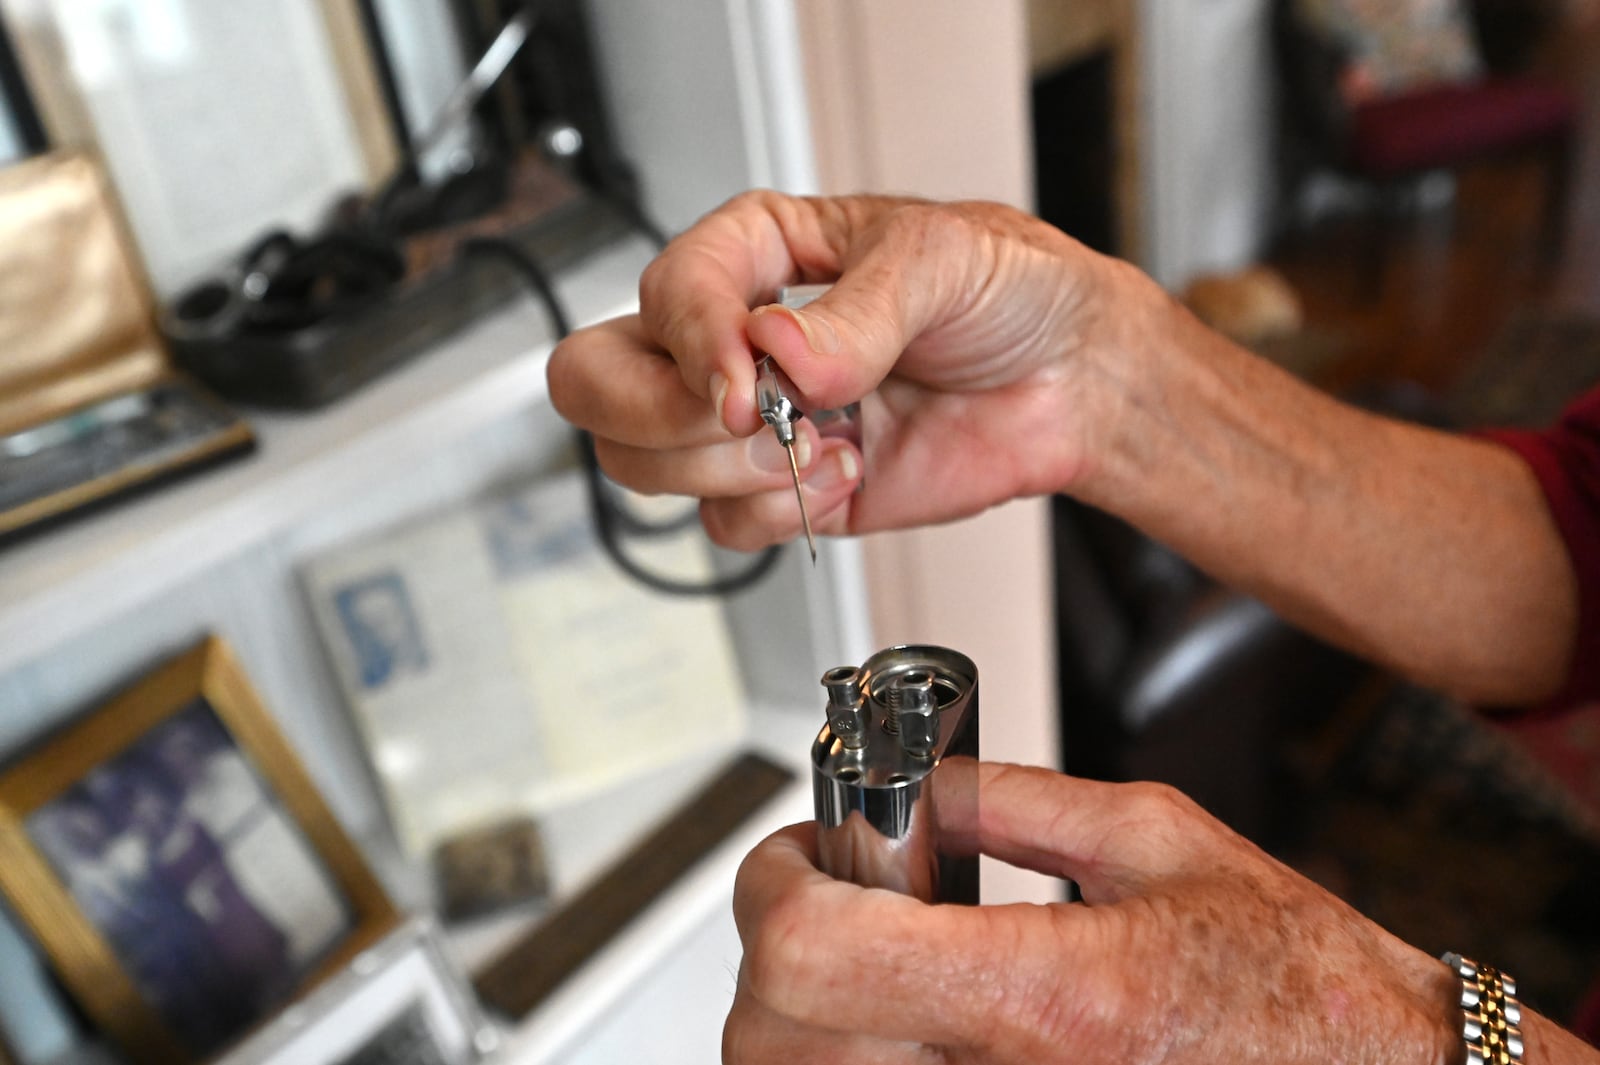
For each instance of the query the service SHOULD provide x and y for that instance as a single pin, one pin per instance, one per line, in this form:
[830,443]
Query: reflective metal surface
[887,772]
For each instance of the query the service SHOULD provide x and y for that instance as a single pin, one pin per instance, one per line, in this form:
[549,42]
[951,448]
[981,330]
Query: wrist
[1432,994]
[1135,374]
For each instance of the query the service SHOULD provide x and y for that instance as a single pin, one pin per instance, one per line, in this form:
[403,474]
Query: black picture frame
[387,77]
[17,99]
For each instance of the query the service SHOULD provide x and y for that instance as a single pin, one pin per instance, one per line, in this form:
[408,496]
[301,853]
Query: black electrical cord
[611,518]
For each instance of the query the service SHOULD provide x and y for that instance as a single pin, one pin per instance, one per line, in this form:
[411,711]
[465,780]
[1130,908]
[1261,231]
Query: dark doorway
[1074,150]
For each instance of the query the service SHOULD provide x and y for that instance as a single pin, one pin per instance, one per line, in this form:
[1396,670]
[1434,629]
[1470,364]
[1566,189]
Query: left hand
[1193,946]
[987,349]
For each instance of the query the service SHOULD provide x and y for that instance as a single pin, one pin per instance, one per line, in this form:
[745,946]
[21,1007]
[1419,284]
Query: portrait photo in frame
[175,863]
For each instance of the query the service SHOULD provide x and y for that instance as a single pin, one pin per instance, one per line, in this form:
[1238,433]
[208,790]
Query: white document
[498,662]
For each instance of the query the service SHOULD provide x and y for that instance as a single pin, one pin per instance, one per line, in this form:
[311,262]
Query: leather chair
[1168,676]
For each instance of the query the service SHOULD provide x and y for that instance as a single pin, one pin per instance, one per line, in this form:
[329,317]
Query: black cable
[606,526]
[611,518]
[534,274]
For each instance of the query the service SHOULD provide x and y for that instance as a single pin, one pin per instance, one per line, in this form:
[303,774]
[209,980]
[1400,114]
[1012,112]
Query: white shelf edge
[66,581]
[583,1000]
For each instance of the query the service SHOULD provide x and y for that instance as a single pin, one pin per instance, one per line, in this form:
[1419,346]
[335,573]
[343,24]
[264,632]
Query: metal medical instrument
[884,772]
[780,412]
[464,98]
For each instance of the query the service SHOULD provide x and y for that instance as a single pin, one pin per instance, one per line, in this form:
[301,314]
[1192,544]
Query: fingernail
[840,468]
[802,450]
[819,334]
[718,386]
[767,455]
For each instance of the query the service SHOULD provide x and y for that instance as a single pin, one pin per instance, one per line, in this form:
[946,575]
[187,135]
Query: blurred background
[356,227]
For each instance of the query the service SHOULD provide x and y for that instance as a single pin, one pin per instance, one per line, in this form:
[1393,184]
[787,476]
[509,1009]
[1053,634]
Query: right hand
[977,338]
[1191,947]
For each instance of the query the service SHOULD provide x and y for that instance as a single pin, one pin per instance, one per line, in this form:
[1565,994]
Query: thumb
[842,344]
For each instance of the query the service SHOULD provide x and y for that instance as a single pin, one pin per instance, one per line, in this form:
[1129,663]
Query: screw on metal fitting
[890,696]
[847,711]
[918,714]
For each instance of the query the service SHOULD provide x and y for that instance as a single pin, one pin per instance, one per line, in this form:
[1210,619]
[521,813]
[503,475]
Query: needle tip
[799,497]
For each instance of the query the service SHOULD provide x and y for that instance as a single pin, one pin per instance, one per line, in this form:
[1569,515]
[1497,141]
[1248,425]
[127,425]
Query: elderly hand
[966,329]
[1193,946]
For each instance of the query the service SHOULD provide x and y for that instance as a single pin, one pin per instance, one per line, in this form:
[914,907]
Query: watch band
[1491,1016]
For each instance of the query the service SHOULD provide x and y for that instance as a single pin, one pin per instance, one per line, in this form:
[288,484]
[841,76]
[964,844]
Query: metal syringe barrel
[876,779]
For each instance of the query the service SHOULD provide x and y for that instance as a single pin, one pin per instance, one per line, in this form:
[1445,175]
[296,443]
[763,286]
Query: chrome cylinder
[880,793]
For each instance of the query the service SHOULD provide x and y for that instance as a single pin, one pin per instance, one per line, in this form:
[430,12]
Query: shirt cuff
[1566,464]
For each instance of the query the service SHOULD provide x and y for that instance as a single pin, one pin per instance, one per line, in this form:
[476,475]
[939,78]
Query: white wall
[690,145]
[1208,135]
[10,144]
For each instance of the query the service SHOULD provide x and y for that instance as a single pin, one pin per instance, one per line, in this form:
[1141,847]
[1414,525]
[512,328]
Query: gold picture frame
[177,865]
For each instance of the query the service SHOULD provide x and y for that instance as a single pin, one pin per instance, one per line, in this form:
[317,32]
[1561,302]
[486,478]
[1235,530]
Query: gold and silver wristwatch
[1491,1015]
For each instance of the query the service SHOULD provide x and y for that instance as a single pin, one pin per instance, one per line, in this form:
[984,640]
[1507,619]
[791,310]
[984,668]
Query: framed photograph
[217,122]
[176,864]
[400,1003]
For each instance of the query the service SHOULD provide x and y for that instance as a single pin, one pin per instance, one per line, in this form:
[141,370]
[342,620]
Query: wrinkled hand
[963,329]
[1192,946]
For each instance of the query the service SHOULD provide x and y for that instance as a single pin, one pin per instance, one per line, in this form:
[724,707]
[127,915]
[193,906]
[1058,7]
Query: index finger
[695,296]
[1113,839]
[866,960]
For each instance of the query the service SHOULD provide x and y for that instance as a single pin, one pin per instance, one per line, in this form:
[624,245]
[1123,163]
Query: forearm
[1432,553]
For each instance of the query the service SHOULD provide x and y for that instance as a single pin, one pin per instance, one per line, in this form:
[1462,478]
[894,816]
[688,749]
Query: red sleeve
[1566,461]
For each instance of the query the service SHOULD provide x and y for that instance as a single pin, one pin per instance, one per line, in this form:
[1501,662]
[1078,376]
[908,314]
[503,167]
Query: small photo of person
[382,628]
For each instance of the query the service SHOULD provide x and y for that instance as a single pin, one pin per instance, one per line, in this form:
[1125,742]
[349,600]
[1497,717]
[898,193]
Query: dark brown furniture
[1387,143]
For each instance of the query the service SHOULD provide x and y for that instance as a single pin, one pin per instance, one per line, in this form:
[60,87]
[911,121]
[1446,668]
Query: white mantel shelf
[71,579]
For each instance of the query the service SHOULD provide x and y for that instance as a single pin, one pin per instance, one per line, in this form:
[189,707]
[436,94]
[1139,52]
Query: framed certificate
[499,663]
